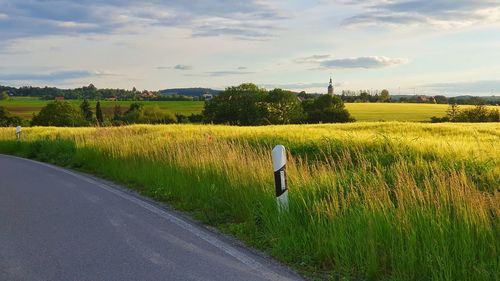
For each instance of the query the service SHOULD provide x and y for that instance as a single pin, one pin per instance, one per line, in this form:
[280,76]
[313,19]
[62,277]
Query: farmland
[25,107]
[370,201]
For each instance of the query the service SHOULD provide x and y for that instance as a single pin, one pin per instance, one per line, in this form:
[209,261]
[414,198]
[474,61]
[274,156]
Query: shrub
[477,114]
[59,114]
[6,119]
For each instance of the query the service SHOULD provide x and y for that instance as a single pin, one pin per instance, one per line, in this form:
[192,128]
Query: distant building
[330,87]
[147,94]
[422,99]
[59,98]
[113,98]
[207,97]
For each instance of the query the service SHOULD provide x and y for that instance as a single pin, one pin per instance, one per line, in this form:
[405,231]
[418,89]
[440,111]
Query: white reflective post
[279,165]
[18,132]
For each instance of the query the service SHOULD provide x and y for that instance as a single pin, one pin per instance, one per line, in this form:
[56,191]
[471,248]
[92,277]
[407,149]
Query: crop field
[25,107]
[368,201]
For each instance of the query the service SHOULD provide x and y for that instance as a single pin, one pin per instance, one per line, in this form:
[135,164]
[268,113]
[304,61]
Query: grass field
[368,201]
[25,107]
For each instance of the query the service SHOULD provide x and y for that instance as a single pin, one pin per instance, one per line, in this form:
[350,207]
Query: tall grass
[369,201]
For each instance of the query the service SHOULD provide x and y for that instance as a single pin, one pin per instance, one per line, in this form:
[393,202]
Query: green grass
[25,107]
[368,201]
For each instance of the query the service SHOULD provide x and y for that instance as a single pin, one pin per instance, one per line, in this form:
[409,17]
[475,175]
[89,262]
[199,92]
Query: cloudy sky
[412,46]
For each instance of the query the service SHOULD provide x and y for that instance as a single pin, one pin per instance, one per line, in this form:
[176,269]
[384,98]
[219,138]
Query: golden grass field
[368,201]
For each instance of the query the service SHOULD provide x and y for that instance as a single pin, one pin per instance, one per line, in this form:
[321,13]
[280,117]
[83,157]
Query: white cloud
[327,61]
[73,25]
[313,59]
[441,14]
[228,72]
[236,19]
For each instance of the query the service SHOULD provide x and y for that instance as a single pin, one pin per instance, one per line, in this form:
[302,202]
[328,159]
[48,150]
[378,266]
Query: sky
[449,47]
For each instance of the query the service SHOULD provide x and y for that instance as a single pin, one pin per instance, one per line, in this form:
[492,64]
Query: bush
[4,96]
[59,114]
[137,113]
[7,120]
[477,114]
[181,119]
[435,119]
[195,118]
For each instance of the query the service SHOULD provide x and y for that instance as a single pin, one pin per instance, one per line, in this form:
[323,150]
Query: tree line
[92,93]
[365,96]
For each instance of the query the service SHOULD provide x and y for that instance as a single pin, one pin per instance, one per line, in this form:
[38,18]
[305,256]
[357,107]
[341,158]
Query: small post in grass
[279,165]
[18,132]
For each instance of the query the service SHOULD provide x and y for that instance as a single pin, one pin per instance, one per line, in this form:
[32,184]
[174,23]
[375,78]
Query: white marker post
[279,165]
[18,132]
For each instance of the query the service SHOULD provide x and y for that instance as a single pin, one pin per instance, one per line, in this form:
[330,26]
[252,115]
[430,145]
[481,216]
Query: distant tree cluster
[477,114]
[92,93]
[248,104]
[384,96]
[365,96]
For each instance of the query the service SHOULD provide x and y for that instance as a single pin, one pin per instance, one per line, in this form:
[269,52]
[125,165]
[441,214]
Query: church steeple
[330,87]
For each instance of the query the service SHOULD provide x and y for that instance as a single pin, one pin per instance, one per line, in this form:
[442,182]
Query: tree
[364,96]
[452,112]
[98,113]
[240,105]
[86,111]
[326,109]
[441,99]
[384,96]
[59,113]
[283,107]
[4,96]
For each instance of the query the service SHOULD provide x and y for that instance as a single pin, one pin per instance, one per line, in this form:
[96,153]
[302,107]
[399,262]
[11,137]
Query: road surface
[56,224]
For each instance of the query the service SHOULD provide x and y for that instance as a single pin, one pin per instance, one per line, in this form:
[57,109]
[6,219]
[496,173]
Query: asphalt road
[57,224]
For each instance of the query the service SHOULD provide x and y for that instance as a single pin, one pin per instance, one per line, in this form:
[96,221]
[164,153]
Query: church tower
[330,87]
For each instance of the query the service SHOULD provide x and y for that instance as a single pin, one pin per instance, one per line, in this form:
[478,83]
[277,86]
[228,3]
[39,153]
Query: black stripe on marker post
[280,181]
[279,167]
